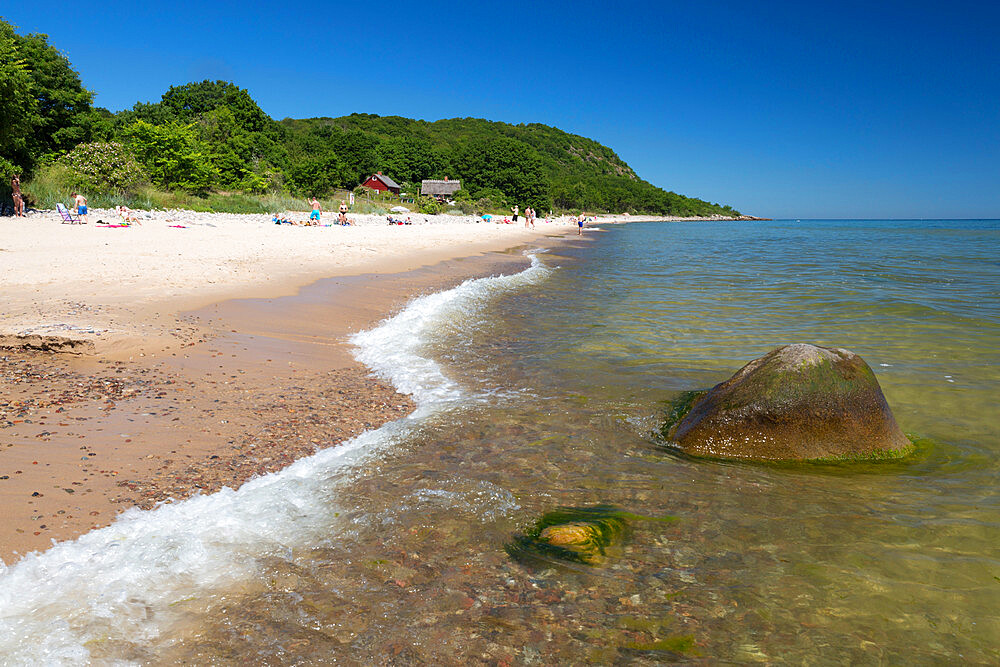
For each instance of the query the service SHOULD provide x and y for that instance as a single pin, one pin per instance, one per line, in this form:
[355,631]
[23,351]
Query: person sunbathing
[127,215]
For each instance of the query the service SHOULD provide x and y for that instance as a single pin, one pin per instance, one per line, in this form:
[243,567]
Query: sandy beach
[145,364]
[113,287]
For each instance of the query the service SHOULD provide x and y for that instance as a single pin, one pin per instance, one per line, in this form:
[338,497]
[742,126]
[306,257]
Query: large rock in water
[798,402]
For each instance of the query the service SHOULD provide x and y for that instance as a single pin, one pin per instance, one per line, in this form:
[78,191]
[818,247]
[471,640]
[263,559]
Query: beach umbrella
[399,209]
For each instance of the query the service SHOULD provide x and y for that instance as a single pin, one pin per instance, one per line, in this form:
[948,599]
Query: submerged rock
[583,538]
[796,403]
[577,534]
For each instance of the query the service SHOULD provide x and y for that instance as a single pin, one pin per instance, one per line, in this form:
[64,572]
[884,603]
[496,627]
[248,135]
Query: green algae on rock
[683,644]
[797,403]
[576,534]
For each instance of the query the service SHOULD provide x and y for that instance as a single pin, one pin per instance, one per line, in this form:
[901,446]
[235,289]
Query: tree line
[211,136]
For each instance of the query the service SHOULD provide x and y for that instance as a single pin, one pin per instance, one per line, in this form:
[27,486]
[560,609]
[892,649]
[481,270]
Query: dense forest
[211,137]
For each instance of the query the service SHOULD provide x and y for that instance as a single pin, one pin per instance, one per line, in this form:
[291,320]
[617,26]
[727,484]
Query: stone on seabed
[797,403]
[580,534]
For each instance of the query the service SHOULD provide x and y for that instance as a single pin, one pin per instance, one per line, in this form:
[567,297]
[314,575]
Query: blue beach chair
[67,217]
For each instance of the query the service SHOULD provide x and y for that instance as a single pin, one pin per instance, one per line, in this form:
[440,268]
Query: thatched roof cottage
[440,189]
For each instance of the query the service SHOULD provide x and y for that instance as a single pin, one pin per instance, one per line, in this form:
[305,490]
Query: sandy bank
[211,397]
[118,287]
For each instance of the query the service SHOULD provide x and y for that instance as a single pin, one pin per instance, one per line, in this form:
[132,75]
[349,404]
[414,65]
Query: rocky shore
[181,402]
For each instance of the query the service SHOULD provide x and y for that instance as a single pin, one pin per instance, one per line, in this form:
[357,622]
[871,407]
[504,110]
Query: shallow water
[541,390]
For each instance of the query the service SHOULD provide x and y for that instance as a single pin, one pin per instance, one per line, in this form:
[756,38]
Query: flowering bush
[105,167]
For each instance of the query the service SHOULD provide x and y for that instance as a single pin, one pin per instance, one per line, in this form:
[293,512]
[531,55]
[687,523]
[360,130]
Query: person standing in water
[81,206]
[15,186]
[317,211]
[579,225]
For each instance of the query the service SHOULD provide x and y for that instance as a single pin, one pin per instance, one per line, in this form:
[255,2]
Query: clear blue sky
[782,109]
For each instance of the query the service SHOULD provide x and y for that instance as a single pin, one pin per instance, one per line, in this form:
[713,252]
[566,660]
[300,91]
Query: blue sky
[781,109]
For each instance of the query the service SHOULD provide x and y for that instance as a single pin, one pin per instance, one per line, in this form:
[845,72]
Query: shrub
[428,205]
[108,167]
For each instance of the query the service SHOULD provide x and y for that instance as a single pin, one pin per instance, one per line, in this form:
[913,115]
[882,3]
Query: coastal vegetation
[209,145]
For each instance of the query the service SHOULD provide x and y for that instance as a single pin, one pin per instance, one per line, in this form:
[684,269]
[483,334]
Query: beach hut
[440,189]
[381,183]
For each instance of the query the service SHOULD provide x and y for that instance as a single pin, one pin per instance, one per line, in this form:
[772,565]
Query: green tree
[358,151]
[410,159]
[192,99]
[244,145]
[321,175]
[17,105]
[230,148]
[172,155]
[153,113]
[507,165]
[62,114]
[102,124]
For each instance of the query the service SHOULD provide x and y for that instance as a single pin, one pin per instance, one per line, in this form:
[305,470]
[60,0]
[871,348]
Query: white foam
[393,350]
[119,583]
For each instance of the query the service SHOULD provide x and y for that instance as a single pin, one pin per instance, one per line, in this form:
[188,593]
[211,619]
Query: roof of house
[385,179]
[440,187]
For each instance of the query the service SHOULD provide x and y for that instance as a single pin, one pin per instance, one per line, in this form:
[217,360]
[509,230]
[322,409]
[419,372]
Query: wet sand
[242,388]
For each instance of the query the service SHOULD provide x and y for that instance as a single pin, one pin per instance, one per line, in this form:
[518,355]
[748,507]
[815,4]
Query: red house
[382,183]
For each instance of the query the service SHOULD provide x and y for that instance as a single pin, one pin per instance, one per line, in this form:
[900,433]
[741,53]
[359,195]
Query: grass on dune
[52,185]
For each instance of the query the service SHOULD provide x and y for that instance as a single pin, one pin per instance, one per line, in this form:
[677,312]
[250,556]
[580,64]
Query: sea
[545,389]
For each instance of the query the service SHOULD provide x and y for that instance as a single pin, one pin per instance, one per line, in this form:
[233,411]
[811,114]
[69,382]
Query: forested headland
[208,145]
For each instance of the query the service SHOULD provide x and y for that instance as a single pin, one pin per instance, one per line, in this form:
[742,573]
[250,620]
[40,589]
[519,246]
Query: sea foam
[123,583]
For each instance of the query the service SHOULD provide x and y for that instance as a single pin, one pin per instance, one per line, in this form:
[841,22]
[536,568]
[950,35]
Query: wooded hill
[533,163]
[213,137]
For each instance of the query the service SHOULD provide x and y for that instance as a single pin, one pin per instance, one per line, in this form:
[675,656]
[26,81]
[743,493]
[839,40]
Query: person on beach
[81,206]
[515,209]
[127,215]
[529,217]
[579,225]
[342,217]
[15,186]
[316,212]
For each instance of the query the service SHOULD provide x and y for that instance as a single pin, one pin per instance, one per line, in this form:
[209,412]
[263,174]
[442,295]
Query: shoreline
[113,291]
[238,388]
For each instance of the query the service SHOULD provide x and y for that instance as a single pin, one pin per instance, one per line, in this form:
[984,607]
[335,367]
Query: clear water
[541,390]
